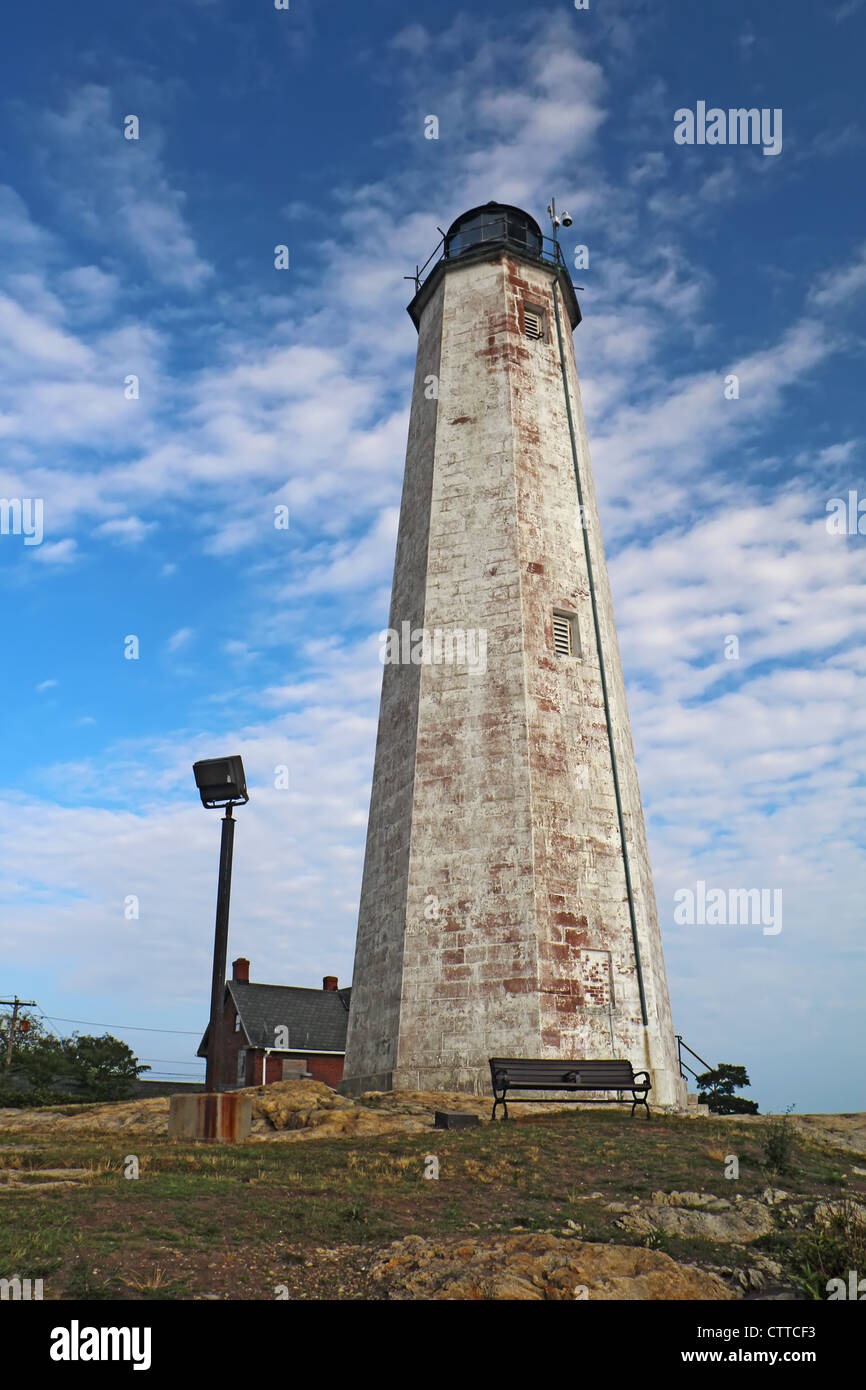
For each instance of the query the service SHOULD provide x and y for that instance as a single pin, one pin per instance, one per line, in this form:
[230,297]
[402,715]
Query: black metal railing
[496,232]
[684,1066]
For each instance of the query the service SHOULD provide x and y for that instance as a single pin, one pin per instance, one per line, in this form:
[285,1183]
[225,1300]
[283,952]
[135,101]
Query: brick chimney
[241,970]
[329,982]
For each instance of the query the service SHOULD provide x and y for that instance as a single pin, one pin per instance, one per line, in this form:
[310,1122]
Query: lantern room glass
[497,222]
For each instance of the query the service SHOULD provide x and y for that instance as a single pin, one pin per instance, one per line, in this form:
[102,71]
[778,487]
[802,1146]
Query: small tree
[104,1068]
[48,1070]
[718,1088]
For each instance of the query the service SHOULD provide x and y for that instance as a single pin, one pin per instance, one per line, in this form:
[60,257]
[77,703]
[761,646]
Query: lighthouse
[507,904]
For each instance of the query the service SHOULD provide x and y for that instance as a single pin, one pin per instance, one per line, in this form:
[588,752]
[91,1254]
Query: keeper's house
[274,1032]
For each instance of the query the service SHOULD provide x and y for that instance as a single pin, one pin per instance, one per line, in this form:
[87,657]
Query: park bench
[522,1074]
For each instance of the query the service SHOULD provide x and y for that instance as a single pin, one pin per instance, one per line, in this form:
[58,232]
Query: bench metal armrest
[640,1085]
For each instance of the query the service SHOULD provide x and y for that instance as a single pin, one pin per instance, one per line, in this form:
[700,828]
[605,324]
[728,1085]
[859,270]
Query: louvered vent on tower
[563,643]
[533,323]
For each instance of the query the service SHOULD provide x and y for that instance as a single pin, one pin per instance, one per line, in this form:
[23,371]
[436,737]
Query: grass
[238,1221]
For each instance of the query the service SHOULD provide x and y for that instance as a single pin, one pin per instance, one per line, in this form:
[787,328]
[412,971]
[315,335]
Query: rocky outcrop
[840,1131]
[284,1110]
[844,1131]
[298,1110]
[536,1267]
[696,1214]
[128,1117]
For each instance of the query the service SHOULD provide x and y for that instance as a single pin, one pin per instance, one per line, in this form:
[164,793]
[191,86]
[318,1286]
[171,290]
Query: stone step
[695,1106]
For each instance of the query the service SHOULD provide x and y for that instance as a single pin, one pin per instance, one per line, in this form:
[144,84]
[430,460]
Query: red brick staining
[494,918]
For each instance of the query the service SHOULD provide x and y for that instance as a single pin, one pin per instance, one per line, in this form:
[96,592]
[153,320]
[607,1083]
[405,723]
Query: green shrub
[826,1249]
[779,1143]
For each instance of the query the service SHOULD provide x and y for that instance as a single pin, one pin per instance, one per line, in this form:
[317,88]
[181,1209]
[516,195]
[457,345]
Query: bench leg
[640,1101]
[499,1100]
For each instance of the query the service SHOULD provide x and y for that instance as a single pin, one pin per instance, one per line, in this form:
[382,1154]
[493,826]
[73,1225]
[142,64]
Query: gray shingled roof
[316,1018]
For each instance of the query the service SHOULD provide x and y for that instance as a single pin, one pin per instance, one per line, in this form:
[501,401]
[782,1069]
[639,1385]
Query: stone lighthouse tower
[507,905]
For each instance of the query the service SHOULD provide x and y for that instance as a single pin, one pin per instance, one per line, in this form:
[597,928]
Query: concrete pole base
[223,1118]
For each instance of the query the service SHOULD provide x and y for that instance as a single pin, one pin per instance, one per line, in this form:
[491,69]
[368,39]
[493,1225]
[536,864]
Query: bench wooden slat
[559,1074]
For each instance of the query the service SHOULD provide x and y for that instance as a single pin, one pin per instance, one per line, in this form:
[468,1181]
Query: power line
[130,1027]
[170,1061]
[183,1076]
[173,1061]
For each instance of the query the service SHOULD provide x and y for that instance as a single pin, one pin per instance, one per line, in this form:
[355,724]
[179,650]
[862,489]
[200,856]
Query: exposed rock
[763,1273]
[536,1267]
[705,1201]
[853,1212]
[130,1117]
[774,1195]
[697,1214]
[42,1179]
[846,1131]
[286,1110]
[841,1131]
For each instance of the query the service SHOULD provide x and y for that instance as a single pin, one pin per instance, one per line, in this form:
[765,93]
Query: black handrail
[549,250]
[698,1058]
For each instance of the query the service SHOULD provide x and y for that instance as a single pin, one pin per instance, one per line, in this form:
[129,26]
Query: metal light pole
[220,949]
[221,783]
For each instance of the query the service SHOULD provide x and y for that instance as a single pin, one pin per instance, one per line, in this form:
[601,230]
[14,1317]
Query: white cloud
[414,39]
[838,286]
[179,639]
[130,530]
[88,291]
[117,190]
[63,552]
[845,11]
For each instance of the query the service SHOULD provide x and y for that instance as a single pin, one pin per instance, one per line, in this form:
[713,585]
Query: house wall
[325,1067]
[232,1043]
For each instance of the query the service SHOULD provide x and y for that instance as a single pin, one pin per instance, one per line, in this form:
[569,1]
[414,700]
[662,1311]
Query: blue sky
[259,387]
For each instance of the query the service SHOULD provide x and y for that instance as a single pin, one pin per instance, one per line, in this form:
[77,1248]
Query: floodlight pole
[551,211]
[220,949]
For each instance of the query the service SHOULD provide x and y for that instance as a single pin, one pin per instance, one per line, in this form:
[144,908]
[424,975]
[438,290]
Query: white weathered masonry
[500,915]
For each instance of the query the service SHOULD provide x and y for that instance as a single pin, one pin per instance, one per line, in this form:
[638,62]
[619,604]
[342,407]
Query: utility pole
[213,1073]
[15,1004]
[221,782]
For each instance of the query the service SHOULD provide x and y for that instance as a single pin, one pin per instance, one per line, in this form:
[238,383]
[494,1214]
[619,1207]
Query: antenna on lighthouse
[557,220]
